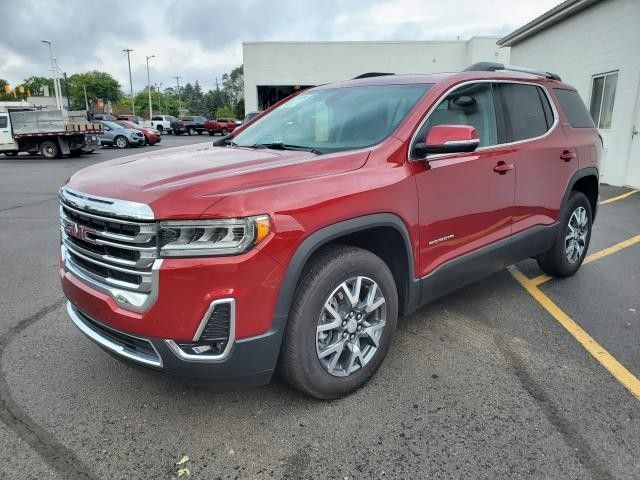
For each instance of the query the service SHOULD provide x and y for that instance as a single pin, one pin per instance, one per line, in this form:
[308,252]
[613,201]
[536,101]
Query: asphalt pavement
[482,384]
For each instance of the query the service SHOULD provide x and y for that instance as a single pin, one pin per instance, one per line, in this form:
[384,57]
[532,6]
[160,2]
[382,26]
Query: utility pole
[179,100]
[86,101]
[158,89]
[149,87]
[133,103]
[54,71]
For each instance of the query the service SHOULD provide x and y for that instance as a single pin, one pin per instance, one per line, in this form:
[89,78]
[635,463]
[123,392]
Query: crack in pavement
[29,204]
[55,454]
[577,443]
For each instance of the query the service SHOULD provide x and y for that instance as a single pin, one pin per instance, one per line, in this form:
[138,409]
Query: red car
[299,241]
[131,118]
[151,136]
[224,126]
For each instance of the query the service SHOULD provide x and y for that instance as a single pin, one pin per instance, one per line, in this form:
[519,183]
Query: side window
[574,108]
[524,111]
[3,121]
[156,119]
[468,105]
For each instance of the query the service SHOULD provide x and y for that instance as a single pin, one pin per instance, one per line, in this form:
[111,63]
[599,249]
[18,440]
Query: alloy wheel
[350,326]
[576,235]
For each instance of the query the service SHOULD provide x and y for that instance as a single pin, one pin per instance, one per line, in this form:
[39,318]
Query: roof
[553,16]
[435,78]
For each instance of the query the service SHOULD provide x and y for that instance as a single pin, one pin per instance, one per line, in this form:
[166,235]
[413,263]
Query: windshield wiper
[286,146]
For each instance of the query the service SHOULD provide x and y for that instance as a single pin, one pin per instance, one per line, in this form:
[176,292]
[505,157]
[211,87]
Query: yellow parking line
[608,361]
[619,197]
[540,279]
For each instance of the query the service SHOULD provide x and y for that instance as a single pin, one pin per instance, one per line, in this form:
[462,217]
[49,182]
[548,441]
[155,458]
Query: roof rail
[492,67]
[372,74]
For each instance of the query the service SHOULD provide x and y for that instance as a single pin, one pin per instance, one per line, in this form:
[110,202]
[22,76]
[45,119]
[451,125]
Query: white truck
[161,123]
[50,133]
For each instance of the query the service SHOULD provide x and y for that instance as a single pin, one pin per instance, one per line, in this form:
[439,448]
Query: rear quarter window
[574,108]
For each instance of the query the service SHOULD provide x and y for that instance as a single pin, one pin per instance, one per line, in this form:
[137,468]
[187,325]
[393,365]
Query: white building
[595,46]
[273,70]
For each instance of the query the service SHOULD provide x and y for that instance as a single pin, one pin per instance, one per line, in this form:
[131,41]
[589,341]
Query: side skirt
[475,265]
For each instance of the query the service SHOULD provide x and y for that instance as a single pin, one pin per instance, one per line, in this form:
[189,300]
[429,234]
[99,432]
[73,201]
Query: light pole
[179,100]
[133,103]
[159,88]
[149,87]
[54,70]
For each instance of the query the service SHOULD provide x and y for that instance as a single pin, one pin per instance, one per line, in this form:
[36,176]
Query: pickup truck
[296,242]
[223,126]
[50,133]
[161,123]
[189,125]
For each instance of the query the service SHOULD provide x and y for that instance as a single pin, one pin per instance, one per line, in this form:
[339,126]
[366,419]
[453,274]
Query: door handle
[502,168]
[567,156]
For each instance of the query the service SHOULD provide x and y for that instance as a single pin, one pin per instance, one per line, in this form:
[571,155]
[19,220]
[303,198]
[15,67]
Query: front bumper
[250,361]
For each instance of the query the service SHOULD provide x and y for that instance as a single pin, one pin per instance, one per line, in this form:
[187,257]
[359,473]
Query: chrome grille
[117,252]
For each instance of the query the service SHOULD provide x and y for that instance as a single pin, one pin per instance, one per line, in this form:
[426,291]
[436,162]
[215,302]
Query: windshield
[334,119]
[112,125]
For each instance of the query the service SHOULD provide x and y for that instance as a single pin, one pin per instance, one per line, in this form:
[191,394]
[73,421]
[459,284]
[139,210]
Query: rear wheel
[572,241]
[49,150]
[121,142]
[341,323]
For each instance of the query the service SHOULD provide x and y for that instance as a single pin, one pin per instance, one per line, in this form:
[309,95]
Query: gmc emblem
[79,231]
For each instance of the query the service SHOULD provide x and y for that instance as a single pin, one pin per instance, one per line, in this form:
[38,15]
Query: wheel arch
[397,254]
[585,180]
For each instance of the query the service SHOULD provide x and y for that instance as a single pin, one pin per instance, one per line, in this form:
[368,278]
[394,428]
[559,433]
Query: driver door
[465,206]
[6,139]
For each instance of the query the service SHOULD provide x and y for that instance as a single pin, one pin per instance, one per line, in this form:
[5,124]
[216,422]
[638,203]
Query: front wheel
[159,128]
[121,142]
[191,131]
[570,248]
[225,132]
[341,322]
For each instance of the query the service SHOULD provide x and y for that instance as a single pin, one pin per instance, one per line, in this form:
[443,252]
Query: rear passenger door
[543,159]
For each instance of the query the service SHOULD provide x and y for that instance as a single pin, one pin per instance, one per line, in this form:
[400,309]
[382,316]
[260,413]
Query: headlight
[200,238]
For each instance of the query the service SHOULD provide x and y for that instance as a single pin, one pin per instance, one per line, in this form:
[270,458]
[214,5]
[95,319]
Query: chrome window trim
[187,357]
[110,344]
[488,147]
[106,206]
[136,301]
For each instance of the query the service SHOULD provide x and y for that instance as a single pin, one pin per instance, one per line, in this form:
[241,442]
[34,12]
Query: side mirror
[448,139]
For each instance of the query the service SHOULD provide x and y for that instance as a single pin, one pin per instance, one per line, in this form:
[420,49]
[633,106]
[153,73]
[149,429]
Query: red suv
[298,241]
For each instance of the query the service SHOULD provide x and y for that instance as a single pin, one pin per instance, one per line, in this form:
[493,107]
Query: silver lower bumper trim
[112,344]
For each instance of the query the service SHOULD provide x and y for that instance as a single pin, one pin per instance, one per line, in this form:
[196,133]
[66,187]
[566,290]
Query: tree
[4,95]
[233,85]
[34,85]
[98,85]
[224,112]
[238,109]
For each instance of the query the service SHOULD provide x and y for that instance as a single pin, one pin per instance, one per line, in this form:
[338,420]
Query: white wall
[315,63]
[600,39]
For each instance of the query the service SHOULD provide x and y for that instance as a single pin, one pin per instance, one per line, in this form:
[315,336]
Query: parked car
[102,116]
[162,123]
[299,241]
[119,136]
[250,116]
[151,136]
[223,126]
[131,118]
[189,125]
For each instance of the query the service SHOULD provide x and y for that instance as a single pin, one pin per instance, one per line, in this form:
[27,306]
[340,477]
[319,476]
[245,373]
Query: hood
[183,182]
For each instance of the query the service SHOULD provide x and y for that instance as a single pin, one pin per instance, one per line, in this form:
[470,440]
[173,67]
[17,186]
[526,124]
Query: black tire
[191,131]
[211,133]
[176,133]
[299,361]
[11,154]
[121,141]
[75,153]
[556,261]
[200,132]
[160,128]
[49,150]
[225,132]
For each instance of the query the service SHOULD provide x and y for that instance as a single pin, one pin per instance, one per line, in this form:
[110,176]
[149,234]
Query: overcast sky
[200,40]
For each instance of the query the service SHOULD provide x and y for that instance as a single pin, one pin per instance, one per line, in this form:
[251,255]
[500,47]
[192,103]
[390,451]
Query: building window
[603,94]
